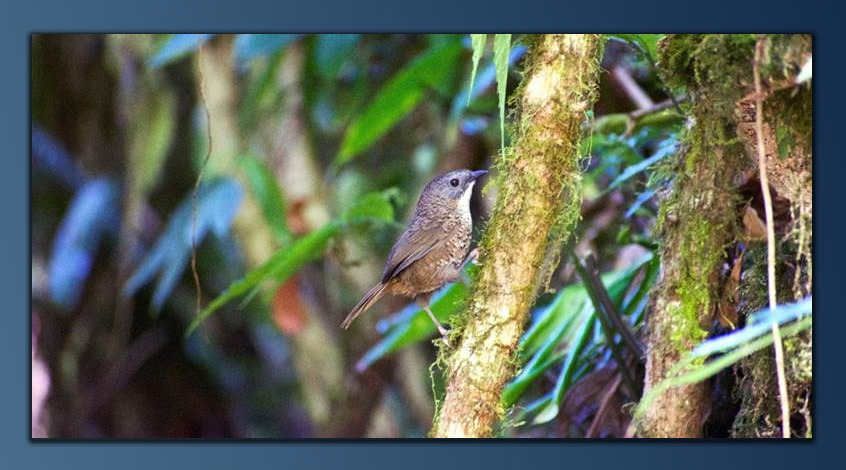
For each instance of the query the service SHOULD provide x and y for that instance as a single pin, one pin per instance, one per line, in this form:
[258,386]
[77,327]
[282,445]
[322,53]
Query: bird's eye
[454,182]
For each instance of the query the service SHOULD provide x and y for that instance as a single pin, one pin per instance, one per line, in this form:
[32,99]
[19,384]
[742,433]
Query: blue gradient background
[18,21]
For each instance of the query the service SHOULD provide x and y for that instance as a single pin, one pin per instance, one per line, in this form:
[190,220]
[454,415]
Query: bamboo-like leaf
[279,267]
[288,261]
[563,324]
[266,190]
[413,325]
[478,41]
[251,46]
[502,47]
[733,346]
[217,202]
[668,148]
[432,69]
[565,378]
[93,213]
[565,334]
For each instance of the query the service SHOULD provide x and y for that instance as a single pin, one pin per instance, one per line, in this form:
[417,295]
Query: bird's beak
[474,175]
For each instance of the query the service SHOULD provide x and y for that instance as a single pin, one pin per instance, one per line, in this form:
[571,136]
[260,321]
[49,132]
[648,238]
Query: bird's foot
[444,335]
[474,256]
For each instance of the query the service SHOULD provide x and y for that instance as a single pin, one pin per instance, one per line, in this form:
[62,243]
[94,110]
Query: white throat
[464,202]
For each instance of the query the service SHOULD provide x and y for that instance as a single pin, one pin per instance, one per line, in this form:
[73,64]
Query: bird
[433,249]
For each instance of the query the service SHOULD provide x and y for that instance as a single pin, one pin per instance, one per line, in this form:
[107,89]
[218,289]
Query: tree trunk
[538,201]
[700,216]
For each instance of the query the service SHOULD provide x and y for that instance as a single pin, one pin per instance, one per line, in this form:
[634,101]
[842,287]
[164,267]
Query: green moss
[717,64]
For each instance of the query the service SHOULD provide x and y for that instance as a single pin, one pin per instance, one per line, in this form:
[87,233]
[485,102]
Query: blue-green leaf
[217,203]
[176,46]
[565,377]
[726,350]
[331,51]
[668,148]
[93,213]
[251,46]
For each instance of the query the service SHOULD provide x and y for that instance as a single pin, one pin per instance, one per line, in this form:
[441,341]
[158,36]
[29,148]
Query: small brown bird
[433,249]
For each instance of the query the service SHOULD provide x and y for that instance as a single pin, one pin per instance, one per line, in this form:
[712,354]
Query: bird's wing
[414,244]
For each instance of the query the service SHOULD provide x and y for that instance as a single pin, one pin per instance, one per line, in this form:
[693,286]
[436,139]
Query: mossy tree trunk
[538,201]
[700,216]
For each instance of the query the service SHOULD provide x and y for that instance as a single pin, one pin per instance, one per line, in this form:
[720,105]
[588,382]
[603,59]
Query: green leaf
[647,44]
[784,141]
[565,378]
[266,190]
[279,267]
[571,299]
[176,46]
[373,207]
[478,41]
[564,336]
[250,46]
[564,324]
[502,47]
[262,93]
[288,261]
[432,69]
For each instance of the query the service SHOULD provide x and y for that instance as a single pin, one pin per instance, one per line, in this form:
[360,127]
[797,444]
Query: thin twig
[199,178]
[632,342]
[768,210]
[657,107]
[631,88]
[607,329]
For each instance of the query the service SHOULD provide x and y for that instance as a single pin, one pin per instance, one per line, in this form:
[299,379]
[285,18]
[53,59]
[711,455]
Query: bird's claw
[445,336]
[473,257]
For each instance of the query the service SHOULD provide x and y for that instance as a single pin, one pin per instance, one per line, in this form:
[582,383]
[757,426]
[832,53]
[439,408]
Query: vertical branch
[771,258]
[538,197]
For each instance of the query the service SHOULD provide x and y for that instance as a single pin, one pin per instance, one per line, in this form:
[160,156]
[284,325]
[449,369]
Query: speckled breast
[438,267]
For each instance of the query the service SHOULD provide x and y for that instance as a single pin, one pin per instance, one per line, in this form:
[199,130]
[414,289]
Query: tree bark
[700,215]
[537,203]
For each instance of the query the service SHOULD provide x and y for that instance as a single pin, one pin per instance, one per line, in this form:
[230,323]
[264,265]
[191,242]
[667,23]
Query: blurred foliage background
[312,150]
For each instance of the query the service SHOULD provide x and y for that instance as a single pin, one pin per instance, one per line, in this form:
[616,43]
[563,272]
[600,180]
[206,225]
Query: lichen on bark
[538,199]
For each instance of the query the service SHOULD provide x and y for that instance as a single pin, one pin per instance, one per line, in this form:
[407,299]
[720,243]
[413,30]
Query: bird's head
[454,186]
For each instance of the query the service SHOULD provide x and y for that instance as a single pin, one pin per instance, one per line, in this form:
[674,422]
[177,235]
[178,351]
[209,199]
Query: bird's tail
[370,298]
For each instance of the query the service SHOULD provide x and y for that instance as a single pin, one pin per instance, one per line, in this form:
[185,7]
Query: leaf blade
[478,42]
[397,98]
[502,48]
